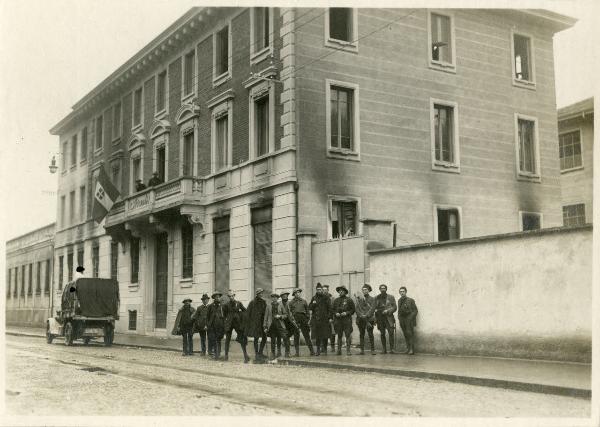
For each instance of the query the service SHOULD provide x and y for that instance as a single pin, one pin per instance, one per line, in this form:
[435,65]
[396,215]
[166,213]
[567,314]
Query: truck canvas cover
[97,297]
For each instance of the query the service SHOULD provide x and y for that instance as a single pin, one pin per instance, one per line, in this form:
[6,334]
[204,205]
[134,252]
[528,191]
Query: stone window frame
[165,111]
[99,146]
[257,56]
[187,126]
[523,175]
[117,158]
[346,46]
[343,198]
[567,131]
[136,127]
[116,138]
[341,153]
[160,138]
[441,165]
[136,151]
[447,207]
[220,108]
[526,84]
[439,65]
[186,96]
[538,214]
[258,91]
[574,205]
[222,78]
[73,150]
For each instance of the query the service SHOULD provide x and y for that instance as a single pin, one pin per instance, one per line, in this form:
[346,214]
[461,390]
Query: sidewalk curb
[462,379]
[487,382]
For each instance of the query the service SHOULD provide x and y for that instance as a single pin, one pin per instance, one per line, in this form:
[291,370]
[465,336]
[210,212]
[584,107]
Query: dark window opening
[444,133]
[134,251]
[340,23]
[114,260]
[343,219]
[95,260]
[60,271]
[342,118]
[448,224]
[262,227]
[222,246]
[573,215]
[187,249]
[222,51]
[161,163]
[262,125]
[132,320]
[531,221]
[522,58]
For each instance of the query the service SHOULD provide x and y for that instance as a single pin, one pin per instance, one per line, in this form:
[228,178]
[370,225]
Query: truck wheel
[69,334]
[86,340]
[109,334]
[49,336]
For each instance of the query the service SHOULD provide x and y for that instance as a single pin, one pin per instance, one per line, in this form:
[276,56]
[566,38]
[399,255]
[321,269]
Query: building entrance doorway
[161,280]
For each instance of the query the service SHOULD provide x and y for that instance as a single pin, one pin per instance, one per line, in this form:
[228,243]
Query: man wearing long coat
[385,307]
[407,316]
[184,326]
[216,324]
[274,324]
[255,316]
[343,309]
[332,331]
[200,319]
[320,306]
[234,320]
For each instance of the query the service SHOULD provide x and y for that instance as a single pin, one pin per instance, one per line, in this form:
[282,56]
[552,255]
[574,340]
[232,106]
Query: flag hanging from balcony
[105,195]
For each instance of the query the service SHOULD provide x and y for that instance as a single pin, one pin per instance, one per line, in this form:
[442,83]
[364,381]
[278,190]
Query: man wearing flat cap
[407,316]
[200,323]
[234,320]
[274,324]
[255,316]
[320,306]
[184,326]
[343,309]
[299,310]
[216,324]
[385,307]
[365,317]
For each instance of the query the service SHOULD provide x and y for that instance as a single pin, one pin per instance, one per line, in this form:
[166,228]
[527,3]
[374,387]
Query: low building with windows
[270,147]
[29,277]
[576,152]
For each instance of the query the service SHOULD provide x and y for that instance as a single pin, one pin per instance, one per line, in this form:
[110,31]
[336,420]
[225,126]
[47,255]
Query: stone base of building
[31,317]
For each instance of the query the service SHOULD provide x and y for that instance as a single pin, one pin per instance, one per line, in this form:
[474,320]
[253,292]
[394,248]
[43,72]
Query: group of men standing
[282,318]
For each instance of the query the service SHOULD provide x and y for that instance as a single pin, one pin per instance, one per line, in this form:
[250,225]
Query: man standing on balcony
[299,309]
[255,316]
[234,315]
[155,180]
[385,308]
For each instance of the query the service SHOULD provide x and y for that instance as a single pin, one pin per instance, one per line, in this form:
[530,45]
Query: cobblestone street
[53,379]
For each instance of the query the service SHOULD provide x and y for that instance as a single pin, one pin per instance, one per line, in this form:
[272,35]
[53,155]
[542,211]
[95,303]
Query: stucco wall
[518,295]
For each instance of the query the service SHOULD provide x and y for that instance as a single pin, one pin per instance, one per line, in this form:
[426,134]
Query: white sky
[53,52]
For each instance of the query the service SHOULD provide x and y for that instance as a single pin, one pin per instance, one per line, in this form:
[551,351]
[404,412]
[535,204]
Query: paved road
[54,379]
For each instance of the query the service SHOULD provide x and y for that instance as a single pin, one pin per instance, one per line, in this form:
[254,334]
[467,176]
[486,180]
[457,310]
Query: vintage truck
[89,308]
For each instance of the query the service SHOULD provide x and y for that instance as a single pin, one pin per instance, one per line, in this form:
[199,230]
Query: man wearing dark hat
[343,309]
[184,326]
[407,316]
[79,272]
[385,307]
[274,325]
[139,185]
[155,180]
[299,310]
[290,323]
[320,306]
[332,332]
[200,322]
[255,316]
[365,317]
[234,320]
[216,324]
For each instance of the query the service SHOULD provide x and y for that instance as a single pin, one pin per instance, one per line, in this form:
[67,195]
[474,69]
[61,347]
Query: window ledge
[116,140]
[136,128]
[343,45]
[98,151]
[578,168]
[525,84]
[83,161]
[219,80]
[133,287]
[446,167]
[337,153]
[185,98]
[528,177]
[186,283]
[161,114]
[442,66]
[261,55]
[73,166]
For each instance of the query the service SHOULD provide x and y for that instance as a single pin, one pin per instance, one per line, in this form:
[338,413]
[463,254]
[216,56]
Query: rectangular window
[344,219]
[261,125]
[84,147]
[82,203]
[188,154]
[15,288]
[530,221]
[116,121]
[95,260]
[261,28]
[8,284]
[188,73]
[47,281]
[222,142]
[187,251]
[161,92]
[70,267]
[114,260]
[222,52]
[341,118]
[30,280]
[38,278]
[448,224]
[221,230]
[115,173]
[132,324]
[569,145]
[522,58]
[65,151]
[72,217]
[99,132]
[340,24]
[161,163]
[527,146]
[80,257]
[134,252]
[74,150]
[61,268]
[441,38]
[63,211]
[573,215]
[23,281]
[136,168]
[262,231]
[444,133]
[137,107]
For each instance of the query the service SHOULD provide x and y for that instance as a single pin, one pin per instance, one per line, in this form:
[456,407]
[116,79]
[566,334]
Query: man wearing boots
[332,331]
[385,307]
[274,325]
[320,306]
[407,316]
[365,317]
[290,323]
[255,316]
[343,309]
[299,310]
[184,326]
[234,320]
[200,326]
[216,324]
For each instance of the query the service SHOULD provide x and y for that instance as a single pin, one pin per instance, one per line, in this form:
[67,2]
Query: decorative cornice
[187,111]
[159,127]
[136,140]
[220,98]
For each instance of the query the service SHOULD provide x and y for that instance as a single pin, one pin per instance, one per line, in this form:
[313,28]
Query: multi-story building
[276,132]
[576,152]
[29,277]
